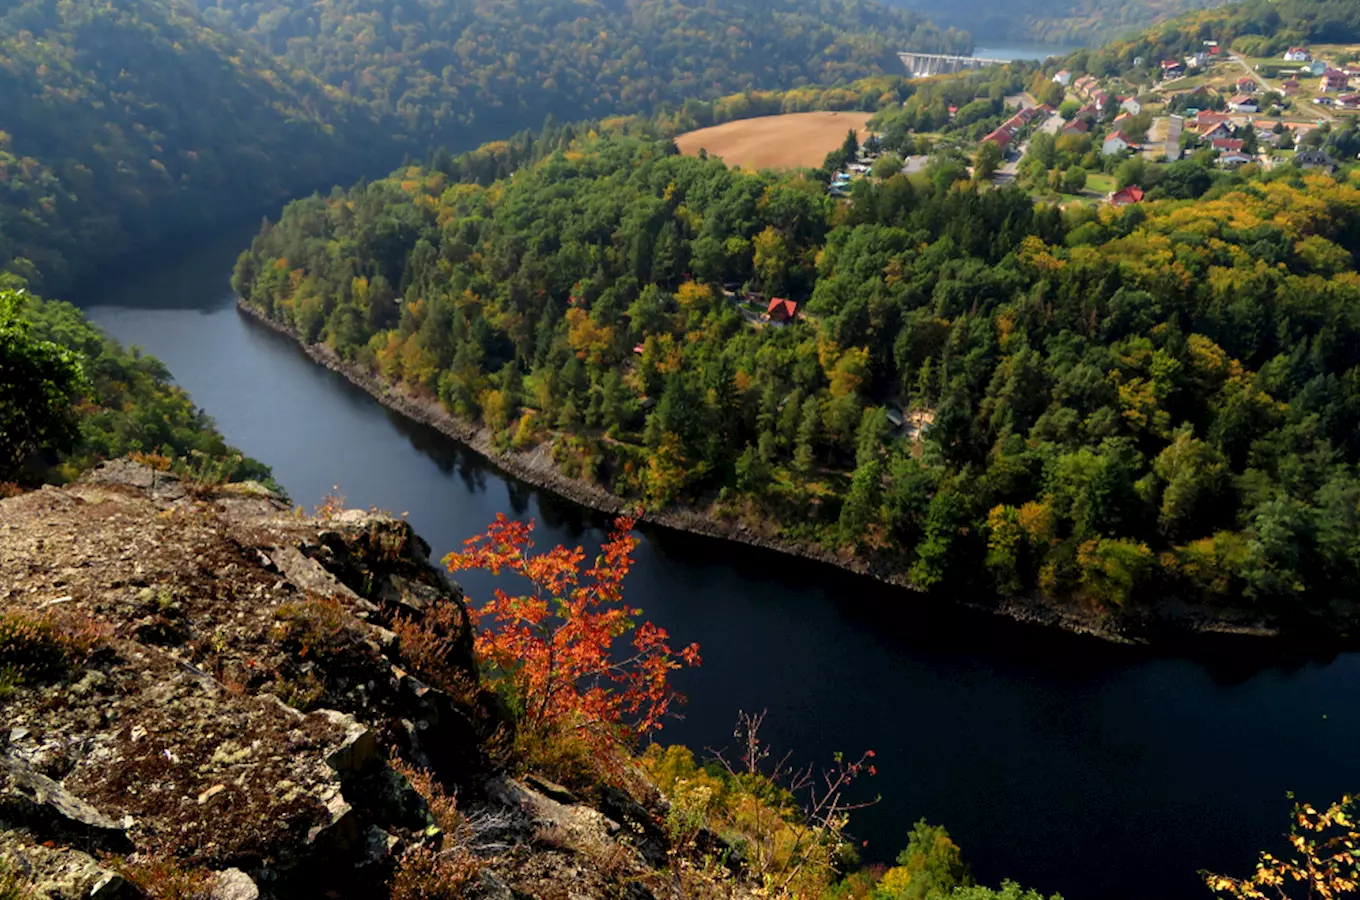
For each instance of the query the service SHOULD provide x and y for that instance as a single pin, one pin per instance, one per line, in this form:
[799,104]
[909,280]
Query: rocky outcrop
[201,685]
[222,690]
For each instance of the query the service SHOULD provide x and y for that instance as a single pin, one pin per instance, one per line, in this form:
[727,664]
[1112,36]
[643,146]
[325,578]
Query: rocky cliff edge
[202,693]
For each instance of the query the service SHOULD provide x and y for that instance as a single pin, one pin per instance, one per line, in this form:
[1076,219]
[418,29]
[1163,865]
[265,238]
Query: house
[1131,105]
[1209,117]
[1232,159]
[1225,145]
[1086,85]
[1316,67]
[1297,54]
[1334,80]
[1121,119]
[1172,69]
[781,312]
[1115,142]
[1219,130]
[1246,85]
[1127,196]
[1291,87]
[1315,159]
[1002,137]
[1349,101]
[1077,126]
[1243,104]
[1197,60]
[1089,111]
[1063,78]
[895,418]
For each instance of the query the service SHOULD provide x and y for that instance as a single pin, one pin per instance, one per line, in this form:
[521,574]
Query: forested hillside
[1088,22]
[1106,407]
[71,397]
[442,70]
[122,124]
[1254,28]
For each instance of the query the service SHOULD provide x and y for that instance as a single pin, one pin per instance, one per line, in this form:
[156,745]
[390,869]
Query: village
[1215,106]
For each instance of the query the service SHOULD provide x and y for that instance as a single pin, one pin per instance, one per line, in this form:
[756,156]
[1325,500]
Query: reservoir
[1067,764]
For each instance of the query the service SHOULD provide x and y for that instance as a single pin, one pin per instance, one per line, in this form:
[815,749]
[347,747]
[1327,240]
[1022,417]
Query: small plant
[331,505]
[302,692]
[426,874]
[13,886]
[318,628]
[159,878]
[443,806]
[38,646]
[428,645]
[201,473]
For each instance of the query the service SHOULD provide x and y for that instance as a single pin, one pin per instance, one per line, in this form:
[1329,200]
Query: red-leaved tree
[559,643]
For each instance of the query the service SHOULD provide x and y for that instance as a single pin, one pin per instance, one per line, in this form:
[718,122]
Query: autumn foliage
[1324,864]
[559,646]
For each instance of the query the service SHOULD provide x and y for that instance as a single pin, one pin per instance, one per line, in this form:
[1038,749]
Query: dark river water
[1064,763]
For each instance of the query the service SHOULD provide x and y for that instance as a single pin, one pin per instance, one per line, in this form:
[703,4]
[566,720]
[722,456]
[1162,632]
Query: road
[1052,125]
[1264,86]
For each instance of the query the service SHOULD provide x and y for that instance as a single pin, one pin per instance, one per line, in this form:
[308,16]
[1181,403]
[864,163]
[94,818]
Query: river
[1062,762]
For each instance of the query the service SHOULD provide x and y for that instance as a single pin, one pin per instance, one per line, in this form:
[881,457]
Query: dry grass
[775,142]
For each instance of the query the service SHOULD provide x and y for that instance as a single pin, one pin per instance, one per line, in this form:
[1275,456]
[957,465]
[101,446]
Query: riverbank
[1172,622]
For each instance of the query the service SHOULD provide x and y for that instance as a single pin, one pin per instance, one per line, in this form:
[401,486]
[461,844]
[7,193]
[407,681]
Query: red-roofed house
[1224,144]
[1297,54]
[1216,130]
[1243,104]
[1077,126]
[1349,101]
[781,311]
[1291,87]
[1001,137]
[1127,196]
[1246,85]
[1171,68]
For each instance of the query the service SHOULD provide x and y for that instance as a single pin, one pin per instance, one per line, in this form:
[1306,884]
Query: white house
[1115,142]
[1063,78]
[1243,104]
[1131,106]
[1297,54]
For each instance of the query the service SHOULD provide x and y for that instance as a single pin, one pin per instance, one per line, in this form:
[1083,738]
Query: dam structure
[923,65]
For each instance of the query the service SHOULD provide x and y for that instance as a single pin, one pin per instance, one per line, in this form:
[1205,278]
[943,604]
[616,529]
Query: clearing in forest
[775,142]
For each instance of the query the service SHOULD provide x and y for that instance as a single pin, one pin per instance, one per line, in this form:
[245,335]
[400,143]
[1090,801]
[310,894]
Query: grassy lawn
[1101,184]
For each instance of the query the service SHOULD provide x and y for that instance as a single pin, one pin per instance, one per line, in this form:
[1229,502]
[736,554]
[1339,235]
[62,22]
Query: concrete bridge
[922,65]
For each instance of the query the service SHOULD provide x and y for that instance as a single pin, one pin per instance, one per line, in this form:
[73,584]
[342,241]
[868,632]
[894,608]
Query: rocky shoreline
[536,468]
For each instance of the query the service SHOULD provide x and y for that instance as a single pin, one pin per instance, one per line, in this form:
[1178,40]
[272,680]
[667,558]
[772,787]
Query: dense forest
[1085,22]
[436,67]
[1105,407]
[126,124]
[123,124]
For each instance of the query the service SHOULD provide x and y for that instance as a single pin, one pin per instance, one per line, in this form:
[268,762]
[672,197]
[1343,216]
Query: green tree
[40,383]
[930,868]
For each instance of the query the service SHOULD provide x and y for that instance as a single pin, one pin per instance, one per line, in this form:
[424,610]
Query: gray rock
[233,884]
[357,750]
[47,800]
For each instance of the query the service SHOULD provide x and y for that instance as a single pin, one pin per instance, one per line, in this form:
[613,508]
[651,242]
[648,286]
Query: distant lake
[1012,52]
